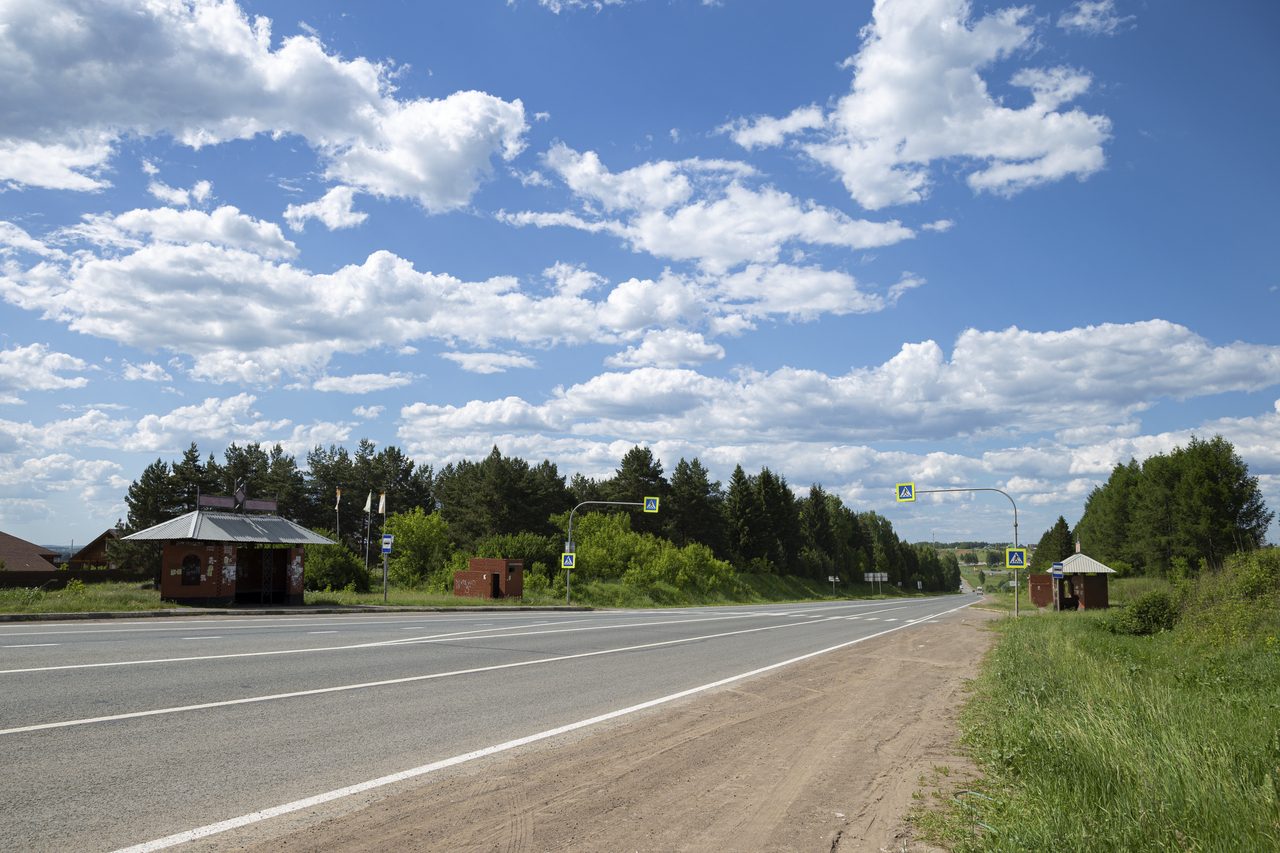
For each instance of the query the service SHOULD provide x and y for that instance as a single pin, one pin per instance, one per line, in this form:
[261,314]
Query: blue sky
[915,240]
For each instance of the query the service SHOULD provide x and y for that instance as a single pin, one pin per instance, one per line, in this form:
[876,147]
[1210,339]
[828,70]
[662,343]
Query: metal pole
[1015,528]
[571,512]
[384,578]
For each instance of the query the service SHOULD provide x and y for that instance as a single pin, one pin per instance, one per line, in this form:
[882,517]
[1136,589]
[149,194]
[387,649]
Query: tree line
[757,523]
[1175,512]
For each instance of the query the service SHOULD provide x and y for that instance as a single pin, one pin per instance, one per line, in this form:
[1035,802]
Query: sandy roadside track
[821,756]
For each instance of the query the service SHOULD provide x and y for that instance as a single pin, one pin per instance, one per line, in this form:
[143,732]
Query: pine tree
[1055,546]
[746,521]
[694,509]
[639,477]
[150,498]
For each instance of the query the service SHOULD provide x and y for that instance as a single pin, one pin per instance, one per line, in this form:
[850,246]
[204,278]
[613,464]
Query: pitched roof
[1079,564]
[19,555]
[232,527]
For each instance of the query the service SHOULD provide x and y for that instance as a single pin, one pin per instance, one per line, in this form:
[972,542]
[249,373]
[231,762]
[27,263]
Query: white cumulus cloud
[489,362]
[919,97]
[36,368]
[334,210]
[363,383]
[75,77]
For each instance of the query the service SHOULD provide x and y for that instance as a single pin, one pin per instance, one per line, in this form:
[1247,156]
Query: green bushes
[421,551]
[335,567]
[1151,613]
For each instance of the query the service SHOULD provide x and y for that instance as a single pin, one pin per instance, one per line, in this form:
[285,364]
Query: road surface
[116,736]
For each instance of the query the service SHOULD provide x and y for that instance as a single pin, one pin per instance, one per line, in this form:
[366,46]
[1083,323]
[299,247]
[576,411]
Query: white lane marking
[339,793]
[249,700]
[437,638]
[202,638]
[185,624]
[322,632]
[30,646]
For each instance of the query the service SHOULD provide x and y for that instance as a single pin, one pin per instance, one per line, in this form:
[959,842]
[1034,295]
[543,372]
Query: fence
[58,579]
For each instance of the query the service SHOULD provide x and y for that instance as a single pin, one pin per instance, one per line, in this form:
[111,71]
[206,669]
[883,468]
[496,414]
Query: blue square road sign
[1015,558]
[906,492]
[387,539]
[566,561]
[650,504]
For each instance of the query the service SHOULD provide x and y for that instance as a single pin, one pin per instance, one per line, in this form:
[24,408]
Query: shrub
[421,549]
[1150,613]
[335,567]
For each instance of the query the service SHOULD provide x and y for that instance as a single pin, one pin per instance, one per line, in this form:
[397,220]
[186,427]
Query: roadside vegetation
[79,597]
[1153,725]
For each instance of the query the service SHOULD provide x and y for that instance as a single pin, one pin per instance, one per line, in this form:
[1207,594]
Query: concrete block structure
[490,578]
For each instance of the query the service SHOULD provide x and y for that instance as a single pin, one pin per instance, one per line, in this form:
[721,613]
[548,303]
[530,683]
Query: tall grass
[83,598]
[1096,741]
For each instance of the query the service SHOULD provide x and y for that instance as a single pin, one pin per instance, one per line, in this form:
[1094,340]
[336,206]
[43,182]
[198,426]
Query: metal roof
[1079,564]
[232,527]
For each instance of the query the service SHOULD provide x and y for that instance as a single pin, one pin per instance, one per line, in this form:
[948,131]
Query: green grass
[89,598]
[747,589]
[1093,741]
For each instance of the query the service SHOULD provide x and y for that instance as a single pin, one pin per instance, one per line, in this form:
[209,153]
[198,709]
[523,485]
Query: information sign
[906,492]
[566,561]
[1015,558]
[1057,570]
[387,539]
[650,504]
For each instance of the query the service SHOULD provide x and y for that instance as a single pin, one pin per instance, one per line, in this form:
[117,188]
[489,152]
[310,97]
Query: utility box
[490,578]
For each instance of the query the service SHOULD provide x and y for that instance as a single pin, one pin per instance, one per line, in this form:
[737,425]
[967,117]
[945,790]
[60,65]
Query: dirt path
[821,756]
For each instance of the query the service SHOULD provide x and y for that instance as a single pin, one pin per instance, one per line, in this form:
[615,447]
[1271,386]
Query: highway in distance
[126,733]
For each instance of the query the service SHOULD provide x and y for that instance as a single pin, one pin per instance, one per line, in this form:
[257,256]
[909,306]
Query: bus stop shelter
[1083,585]
[218,558]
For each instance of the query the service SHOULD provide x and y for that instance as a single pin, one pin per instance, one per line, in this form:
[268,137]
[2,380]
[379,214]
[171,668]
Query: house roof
[19,555]
[231,527]
[94,548]
[1079,564]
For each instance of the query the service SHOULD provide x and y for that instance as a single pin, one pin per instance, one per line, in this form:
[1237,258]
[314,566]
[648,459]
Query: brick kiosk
[218,558]
[490,578]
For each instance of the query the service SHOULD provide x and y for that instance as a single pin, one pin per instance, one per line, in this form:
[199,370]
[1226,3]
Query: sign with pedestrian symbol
[650,504]
[566,561]
[1015,558]
[906,492]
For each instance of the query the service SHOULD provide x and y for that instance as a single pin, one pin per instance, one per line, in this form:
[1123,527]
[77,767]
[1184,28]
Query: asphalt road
[115,735]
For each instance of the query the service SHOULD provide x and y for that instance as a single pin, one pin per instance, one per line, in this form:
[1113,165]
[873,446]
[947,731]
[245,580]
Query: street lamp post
[1015,528]
[569,546]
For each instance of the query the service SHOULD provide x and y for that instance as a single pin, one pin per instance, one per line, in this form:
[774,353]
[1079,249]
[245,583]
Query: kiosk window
[191,570]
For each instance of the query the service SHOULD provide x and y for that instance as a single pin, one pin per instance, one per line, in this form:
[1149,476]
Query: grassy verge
[747,589]
[83,598]
[1096,741]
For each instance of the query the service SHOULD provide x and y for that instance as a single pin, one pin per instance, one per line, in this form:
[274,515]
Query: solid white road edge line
[339,793]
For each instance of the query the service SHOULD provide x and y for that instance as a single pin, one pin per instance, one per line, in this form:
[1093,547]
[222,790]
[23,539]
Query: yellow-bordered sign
[566,561]
[906,492]
[1015,558]
[650,504]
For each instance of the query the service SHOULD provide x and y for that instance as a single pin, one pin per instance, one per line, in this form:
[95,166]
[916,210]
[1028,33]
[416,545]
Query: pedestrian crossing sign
[906,492]
[566,561]
[1015,558]
[650,504]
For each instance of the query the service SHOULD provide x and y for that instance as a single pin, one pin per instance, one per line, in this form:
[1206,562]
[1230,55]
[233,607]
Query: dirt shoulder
[822,756]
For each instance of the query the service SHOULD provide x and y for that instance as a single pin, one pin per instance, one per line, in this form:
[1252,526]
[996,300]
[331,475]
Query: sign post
[566,559]
[1015,558]
[1057,576]
[387,539]
[912,491]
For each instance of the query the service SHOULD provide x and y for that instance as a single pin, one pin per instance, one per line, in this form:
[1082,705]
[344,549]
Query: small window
[191,570]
